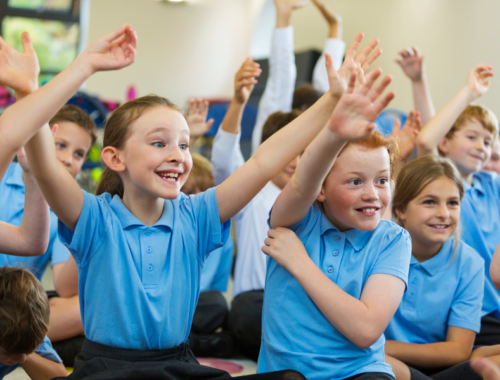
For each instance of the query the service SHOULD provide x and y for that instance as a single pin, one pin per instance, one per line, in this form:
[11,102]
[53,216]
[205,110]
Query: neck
[145,208]
[467,177]
[422,251]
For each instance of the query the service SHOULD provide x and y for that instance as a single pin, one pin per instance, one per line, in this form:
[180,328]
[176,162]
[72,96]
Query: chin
[366,225]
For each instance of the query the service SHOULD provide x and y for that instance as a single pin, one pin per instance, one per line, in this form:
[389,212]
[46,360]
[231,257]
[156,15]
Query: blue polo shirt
[217,269]
[446,290]
[139,285]
[295,334]
[45,351]
[11,211]
[480,217]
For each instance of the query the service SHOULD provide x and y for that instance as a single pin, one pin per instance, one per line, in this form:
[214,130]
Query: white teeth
[169,176]
[369,210]
[440,226]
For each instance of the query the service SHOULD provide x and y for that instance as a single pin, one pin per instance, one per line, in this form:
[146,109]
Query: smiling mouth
[479,158]
[439,227]
[368,211]
[169,176]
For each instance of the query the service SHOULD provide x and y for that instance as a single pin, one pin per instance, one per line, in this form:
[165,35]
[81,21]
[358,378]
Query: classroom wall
[194,49]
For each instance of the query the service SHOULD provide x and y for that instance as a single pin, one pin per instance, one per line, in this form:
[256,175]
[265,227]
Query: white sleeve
[226,155]
[278,93]
[335,48]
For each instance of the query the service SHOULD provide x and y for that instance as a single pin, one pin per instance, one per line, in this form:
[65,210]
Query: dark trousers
[371,376]
[245,321]
[210,313]
[461,371]
[489,334]
[100,362]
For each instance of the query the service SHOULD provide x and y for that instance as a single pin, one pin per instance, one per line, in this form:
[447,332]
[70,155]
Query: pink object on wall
[131,93]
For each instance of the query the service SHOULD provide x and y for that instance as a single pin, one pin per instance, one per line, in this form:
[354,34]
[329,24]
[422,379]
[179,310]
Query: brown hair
[276,121]
[304,97]
[117,131]
[474,112]
[24,311]
[76,115]
[201,177]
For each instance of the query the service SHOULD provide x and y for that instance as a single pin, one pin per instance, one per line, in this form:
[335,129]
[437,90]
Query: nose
[65,158]
[175,155]
[481,145]
[443,212]
[369,193]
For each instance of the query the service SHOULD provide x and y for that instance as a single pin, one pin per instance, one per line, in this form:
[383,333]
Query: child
[211,310]
[76,133]
[330,295]
[245,317]
[465,134]
[493,165]
[139,244]
[24,320]
[436,323]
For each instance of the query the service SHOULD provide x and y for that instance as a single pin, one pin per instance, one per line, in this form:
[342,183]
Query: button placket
[334,248]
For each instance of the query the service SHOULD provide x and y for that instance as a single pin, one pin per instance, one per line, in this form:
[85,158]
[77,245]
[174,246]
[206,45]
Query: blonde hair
[201,177]
[117,131]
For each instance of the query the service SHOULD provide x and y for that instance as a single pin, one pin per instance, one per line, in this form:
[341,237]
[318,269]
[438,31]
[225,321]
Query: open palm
[19,71]
[477,79]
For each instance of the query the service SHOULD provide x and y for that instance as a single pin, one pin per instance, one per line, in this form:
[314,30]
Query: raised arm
[197,119]
[437,128]
[226,152]
[412,64]
[114,51]
[352,120]
[271,158]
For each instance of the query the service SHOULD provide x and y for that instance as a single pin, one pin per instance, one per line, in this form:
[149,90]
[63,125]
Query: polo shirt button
[337,238]
[150,267]
[330,269]
[335,253]
[149,250]
[148,233]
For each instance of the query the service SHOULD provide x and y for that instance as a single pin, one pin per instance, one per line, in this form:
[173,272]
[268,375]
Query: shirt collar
[356,238]
[438,262]
[127,219]
[16,179]
[476,184]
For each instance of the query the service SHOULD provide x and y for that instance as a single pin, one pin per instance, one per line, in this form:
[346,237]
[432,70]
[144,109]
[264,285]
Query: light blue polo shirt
[11,211]
[446,290]
[295,334]
[138,285]
[45,351]
[217,269]
[480,217]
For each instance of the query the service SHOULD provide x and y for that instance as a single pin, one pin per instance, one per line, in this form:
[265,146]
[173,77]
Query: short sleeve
[47,351]
[466,307]
[306,225]
[91,229]
[395,255]
[201,212]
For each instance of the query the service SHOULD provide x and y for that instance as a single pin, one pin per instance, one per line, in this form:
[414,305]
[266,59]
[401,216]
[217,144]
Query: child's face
[72,145]
[12,359]
[469,148]
[433,215]
[493,165]
[357,192]
[156,154]
[286,174]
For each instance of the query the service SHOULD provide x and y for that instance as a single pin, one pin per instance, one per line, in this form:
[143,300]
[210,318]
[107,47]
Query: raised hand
[113,51]
[19,71]
[197,118]
[352,63]
[330,16]
[412,63]
[356,111]
[477,79]
[289,5]
[407,136]
[244,80]
[284,247]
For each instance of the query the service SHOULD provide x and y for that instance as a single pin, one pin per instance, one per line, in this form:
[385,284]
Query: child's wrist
[469,94]
[283,18]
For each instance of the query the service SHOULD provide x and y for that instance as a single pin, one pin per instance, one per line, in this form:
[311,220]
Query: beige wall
[194,49]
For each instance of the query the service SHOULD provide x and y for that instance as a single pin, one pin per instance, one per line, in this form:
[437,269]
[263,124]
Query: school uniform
[45,351]
[11,211]
[295,333]
[480,217]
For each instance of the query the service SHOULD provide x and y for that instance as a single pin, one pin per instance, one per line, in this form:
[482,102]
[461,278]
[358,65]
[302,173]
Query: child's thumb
[26,41]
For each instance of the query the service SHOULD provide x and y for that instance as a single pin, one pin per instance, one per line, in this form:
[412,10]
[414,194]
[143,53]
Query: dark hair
[24,311]
[76,115]
[117,131]
[276,121]
[304,97]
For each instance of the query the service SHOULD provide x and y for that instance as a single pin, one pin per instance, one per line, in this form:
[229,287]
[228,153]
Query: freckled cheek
[342,201]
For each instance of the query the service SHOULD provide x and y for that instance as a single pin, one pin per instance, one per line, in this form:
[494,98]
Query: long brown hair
[117,131]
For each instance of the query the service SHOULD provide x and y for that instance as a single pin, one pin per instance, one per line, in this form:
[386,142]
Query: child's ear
[321,196]
[443,145]
[112,158]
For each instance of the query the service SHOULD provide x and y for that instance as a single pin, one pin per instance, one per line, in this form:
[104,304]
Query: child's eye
[355,182]
[487,143]
[60,145]
[470,137]
[79,154]
[382,181]
[428,202]
[184,146]
[454,203]
[158,144]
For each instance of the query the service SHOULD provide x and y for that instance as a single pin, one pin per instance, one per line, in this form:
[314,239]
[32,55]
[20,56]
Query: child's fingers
[366,51]
[381,104]
[191,106]
[26,41]
[351,52]
[368,61]
[416,51]
[116,33]
[352,83]
[418,122]
[209,124]
[396,127]
[375,93]
[371,78]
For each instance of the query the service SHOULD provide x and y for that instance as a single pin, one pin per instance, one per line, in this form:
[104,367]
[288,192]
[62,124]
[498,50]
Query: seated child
[436,323]
[245,316]
[139,244]
[24,321]
[211,310]
[336,277]
[465,134]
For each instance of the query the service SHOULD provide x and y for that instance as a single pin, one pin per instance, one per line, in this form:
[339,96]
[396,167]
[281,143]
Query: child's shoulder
[487,179]
[389,230]
[13,175]
[467,256]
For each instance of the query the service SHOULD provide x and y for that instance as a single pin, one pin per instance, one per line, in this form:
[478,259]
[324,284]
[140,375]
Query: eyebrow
[161,129]
[362,174]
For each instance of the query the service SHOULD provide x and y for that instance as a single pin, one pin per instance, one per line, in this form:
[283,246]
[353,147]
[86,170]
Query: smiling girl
[436,323]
